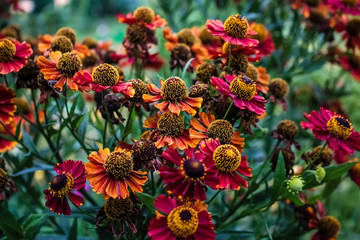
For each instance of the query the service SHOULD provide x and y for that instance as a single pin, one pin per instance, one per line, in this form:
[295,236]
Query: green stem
[81,210]
[229,59]
[228,110]
[108,117]
[311,161]
[127,123]
[213,197]
[152,182]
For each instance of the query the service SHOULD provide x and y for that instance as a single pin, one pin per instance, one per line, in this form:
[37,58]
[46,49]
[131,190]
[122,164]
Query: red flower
[189,180]
[104,76]
[229,163]
[333,128]
[71,175]
[266,44]
[181,221]
[7,104]
[6,129]
[351,31]
[346,6]
[235,30]
[13,55]
[243,91]
[175,95]
[352,64]
[169,131]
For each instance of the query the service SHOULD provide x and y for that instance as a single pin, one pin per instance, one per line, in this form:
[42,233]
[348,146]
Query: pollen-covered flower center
[136,33]
[261,32]
[352,27]
[329,227]
[221,129]
[62,44]
[69,64]
[243,88]
[227,158]
[117,209]
[186,36]
[7,50]
[118,165]
[144,14]
[183,221]
[140,88]
[171,124]
[352,3]
[3,178]
[61,185]
[174,90]
[194,168]
[105,74]
[236,26]
[339,127]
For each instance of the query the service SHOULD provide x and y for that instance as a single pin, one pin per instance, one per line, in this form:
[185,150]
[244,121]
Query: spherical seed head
[27,76]
[324,158]
[287,129]
[3,178]
[105,74]
[186,36]
[252,72]
[329,227]
[239,63]
[221,129]
[194,168]
[61,185]
[136,33]
[205,36]
[90,61]
[261,32]
[200,90]
[339,127]
[243,88]
[144,151]
[144,14]
[227,158]
[140,88]
[180,52]
[351,3]
[183,221]
[67,32]
[118,165]
[69,63]
[90,42]
[119,208]
[205,71]
[9,32]
[236,26]
[7,50]
[62,44]
[171,124]
[174,90]
[352,27]
[279,88]
[112,102]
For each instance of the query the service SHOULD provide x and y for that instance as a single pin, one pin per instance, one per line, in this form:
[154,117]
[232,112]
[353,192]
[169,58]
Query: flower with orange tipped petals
[111,173]
[9,129]
[175,95]
[60,68]
[229,163]
[169,131]
[208,127]
[70,176]
[7,104]
[13,55]
[194,172]
[234,30]
[104,76]
[176,221]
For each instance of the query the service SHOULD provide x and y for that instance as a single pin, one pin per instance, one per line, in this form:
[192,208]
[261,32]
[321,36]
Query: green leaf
[32,225]
[73,107]
[330,187]
[9,225]
[332,172]
[292,197]
[186,67]
[28,142]
[73,231]
[83,126]
[279,178]
[147,200]
[33,169]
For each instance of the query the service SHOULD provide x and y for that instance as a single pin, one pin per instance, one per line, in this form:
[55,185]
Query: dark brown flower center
[194,168]
[352,27]
[7,50]
[279,88]
[174,90]
[140,88]
[119,209]
[221,129]
[61,185]
[171,124]
[186,36]
[3,178]
[261,32]
[67,32]
[236,26]
[183,221]
[62,44]
[105,74]
[144,14]
[287,129]
[329,227]
[69,64]
[136,33]
[339,127]
[118,165]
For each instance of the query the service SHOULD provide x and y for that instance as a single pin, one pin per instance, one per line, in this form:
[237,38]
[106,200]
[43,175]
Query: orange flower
[170,130]
[175,95]
[262,82]
[7,104]
[5,144]
[61,68]
[112,173]
[208,127]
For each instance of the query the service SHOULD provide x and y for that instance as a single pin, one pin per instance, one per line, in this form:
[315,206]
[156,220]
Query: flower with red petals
[169,131]
[209,127]
[333,128]
[229,163]
[8,129]
[350,30]
[7,104]
[70,176]
[351,7]
[111,174]
[352,64]
[243,91]
[13,55]
[234,30]
[194,173]
[177,221]
[266,44]
[175,96]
